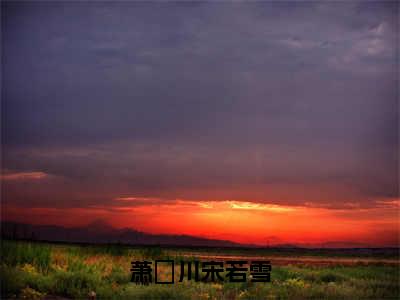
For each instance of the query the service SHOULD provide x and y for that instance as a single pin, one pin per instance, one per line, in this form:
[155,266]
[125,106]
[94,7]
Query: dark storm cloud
[158,99]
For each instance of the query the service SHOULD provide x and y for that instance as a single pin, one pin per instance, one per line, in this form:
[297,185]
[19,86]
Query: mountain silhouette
[99,225]
[100,232]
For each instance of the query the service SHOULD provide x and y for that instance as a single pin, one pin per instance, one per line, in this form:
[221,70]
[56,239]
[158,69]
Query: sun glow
[239,221]
[258,206]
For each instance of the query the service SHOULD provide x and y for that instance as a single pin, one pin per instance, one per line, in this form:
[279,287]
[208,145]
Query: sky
[256,122]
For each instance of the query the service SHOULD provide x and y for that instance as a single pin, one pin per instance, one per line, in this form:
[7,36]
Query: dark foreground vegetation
[45,271]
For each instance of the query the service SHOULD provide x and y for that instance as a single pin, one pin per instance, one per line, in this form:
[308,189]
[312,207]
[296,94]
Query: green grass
[33,270]
[13,253]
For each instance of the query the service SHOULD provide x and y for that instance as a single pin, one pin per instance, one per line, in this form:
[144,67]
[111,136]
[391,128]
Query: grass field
[47,271]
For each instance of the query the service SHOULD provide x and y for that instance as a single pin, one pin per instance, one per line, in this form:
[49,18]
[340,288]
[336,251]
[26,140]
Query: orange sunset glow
[239,221]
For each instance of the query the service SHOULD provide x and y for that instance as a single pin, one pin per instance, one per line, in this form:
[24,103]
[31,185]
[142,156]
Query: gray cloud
[165,98]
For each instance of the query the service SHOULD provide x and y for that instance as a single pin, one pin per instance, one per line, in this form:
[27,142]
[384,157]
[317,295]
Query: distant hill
[100,232]
[343,244]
